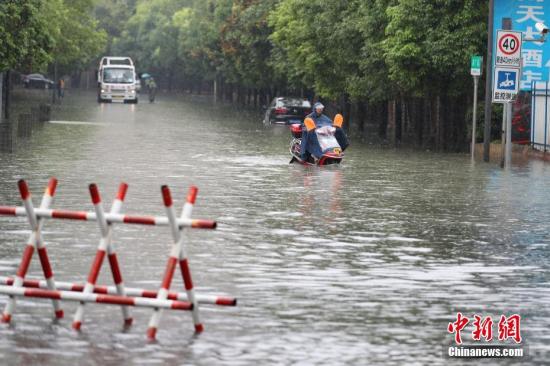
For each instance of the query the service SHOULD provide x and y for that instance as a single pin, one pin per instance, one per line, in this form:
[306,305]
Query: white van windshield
[118,76]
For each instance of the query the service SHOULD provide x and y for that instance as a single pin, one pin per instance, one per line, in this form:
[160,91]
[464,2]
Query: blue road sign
[506,79]
[535,55]
[505,84]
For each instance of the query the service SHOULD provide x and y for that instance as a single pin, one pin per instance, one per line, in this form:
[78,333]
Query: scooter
[332,152]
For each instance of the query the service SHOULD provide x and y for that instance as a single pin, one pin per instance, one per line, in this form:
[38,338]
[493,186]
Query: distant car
[37,81]
[287,110]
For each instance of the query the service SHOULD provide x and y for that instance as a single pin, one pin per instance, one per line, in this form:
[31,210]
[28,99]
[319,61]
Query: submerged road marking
[78,123]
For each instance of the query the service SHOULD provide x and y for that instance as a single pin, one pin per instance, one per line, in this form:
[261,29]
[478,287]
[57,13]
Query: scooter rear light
[296,130]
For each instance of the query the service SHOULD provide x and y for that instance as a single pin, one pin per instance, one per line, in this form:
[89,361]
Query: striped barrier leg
[170,266]
[41,247]
[106,231]
[35,242]
[113,261]
[184,262]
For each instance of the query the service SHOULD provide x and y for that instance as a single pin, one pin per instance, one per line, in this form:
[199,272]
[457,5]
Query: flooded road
[365,263]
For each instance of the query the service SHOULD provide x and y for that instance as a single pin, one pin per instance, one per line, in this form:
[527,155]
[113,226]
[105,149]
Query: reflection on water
[362,263]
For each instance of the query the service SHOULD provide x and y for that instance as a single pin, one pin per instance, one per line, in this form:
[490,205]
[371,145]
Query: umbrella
[145,75]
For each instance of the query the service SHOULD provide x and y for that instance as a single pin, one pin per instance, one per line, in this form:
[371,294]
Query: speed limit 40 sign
[508,48]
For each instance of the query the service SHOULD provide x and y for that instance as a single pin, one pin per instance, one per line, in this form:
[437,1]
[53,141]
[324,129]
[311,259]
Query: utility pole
[488,85]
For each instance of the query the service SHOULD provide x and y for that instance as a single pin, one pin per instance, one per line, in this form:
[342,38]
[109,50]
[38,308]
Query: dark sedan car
[286,111]
[37,81]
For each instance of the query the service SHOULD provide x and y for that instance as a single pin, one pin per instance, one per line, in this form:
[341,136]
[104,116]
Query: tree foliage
[428,44]
[364,51]
[319,42]
[199,42]
[34,33]
[22,37]
[245,43]
[112,16]
[150,36]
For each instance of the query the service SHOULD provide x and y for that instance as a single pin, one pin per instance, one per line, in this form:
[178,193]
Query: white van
[116,79]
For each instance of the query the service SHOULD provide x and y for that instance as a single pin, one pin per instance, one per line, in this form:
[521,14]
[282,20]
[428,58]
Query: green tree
[23,39]
[370,82]
[150,37]
[423,49]
[112,16]
[411,52]
[317,44]
[245,43]
[76,34]
[199,38]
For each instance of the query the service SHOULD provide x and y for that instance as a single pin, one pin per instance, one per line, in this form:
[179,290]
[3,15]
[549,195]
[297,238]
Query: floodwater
[364,263]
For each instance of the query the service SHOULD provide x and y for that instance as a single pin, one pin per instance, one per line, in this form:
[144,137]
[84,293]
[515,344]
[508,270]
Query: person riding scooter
[310,144]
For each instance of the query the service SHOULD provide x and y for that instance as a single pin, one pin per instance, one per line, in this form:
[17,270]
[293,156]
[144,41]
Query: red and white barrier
[111,218]
[118,294]
[176,255]
[105,245]
[98,298]
[130,291]
[35,242]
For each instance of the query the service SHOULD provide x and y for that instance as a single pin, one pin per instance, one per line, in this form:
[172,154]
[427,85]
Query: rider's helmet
[318,107]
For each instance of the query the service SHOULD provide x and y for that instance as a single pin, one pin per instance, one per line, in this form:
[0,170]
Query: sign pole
[488,84]
[503,136]
[474,117]
[508,154]
[506,80]
[475,71]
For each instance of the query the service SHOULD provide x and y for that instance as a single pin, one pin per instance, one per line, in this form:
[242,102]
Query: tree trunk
[1,97]
[240,95]
[7,94]
[403,121]
[362,117]
[381,119]
[391,130]
[346,111]
[215,89]
[419,121]
[438,128]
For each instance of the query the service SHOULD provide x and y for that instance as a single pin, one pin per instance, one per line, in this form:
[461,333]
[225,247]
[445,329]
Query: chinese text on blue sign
[535,55]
